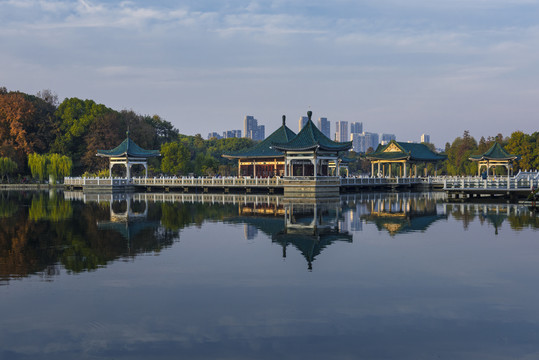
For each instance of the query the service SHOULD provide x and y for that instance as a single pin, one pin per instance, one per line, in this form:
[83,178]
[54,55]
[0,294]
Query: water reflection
[41,233]
[400,214]
[518,217]
[308,227]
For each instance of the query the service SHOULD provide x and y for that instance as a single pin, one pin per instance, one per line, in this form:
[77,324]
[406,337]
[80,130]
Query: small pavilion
[310,152]
[495,156]
[128,153]
[262,160]
[403,155]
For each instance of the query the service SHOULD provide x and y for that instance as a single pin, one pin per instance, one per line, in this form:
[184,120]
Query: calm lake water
[187,276]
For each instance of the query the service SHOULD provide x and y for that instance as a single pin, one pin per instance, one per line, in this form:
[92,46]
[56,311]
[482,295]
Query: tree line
[43,138]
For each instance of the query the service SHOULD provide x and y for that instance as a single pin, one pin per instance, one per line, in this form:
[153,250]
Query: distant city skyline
[435,67]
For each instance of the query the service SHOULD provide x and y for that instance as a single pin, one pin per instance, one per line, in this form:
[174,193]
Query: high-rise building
[386,138]
[252,130]
[324,126]
[362,142]
[232,134]
[356,128]
[214,135]
[302,121]
[425,138]
[341,133]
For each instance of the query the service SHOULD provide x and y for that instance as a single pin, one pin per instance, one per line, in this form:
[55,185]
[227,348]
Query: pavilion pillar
[389,166]
[378,174]
[146,169]
[110,169]
[315,163]
[128,170]
[415,170]
[372,168]
[405,169]
[254,169]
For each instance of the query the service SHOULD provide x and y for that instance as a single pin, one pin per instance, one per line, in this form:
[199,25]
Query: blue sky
[403,67]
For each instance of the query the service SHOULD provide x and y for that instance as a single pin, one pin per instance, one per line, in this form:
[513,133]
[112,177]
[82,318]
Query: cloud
[237,54]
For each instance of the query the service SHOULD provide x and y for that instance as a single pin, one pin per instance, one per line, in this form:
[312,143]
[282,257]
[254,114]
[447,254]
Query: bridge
[519,186]
[241,184]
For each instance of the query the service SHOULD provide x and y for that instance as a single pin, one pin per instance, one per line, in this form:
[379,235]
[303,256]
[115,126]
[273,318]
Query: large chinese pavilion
[403,155]
[128,153]
[262,160]
[310,152]
[495,156]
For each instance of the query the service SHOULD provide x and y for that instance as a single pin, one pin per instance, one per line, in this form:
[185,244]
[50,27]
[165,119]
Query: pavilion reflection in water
[402,213]
[308,227]
[128,217]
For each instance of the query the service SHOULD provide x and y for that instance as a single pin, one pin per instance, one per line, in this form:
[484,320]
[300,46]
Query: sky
[405,67]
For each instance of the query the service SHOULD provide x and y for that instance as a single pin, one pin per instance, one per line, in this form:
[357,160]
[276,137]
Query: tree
[164,130]
[105,133]
[48,96]
[175,158]
[38,166]
[75,117]
[58,167]
[523,145]
[458,155]
[7,166]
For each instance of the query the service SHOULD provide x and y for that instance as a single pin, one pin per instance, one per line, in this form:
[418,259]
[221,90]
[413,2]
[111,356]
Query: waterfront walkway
[519,186]
[237,183]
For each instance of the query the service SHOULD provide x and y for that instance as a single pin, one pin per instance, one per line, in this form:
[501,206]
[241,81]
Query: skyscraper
[324,126]
[302,121]
[385,138]
[362,142]
[425,138]
[356,128]
[252,129]
[341,133]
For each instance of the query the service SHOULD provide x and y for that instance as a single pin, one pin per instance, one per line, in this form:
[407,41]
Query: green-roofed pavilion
[402,154]
[495,156]
[310,152]
[262,160]
[128,153]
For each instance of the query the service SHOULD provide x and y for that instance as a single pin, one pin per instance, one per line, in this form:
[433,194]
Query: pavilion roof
[310,138]
[263,149]
[395,150]
[129,148]
[496,152]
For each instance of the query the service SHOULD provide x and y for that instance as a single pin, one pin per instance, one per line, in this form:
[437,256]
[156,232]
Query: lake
[218,276]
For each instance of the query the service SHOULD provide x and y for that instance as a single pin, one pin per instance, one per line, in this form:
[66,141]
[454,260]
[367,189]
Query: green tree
[175,158]
[59,166]
[526,147]
[7,167]
[75,118]
[38,166]
[458,156]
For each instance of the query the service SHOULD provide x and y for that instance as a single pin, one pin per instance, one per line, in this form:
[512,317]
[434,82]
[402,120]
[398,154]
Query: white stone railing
[88,181]
[373,181]
[492,183]
[177,181]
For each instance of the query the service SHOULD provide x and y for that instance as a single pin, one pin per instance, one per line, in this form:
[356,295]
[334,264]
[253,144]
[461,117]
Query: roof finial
[284,120]
[309,114]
